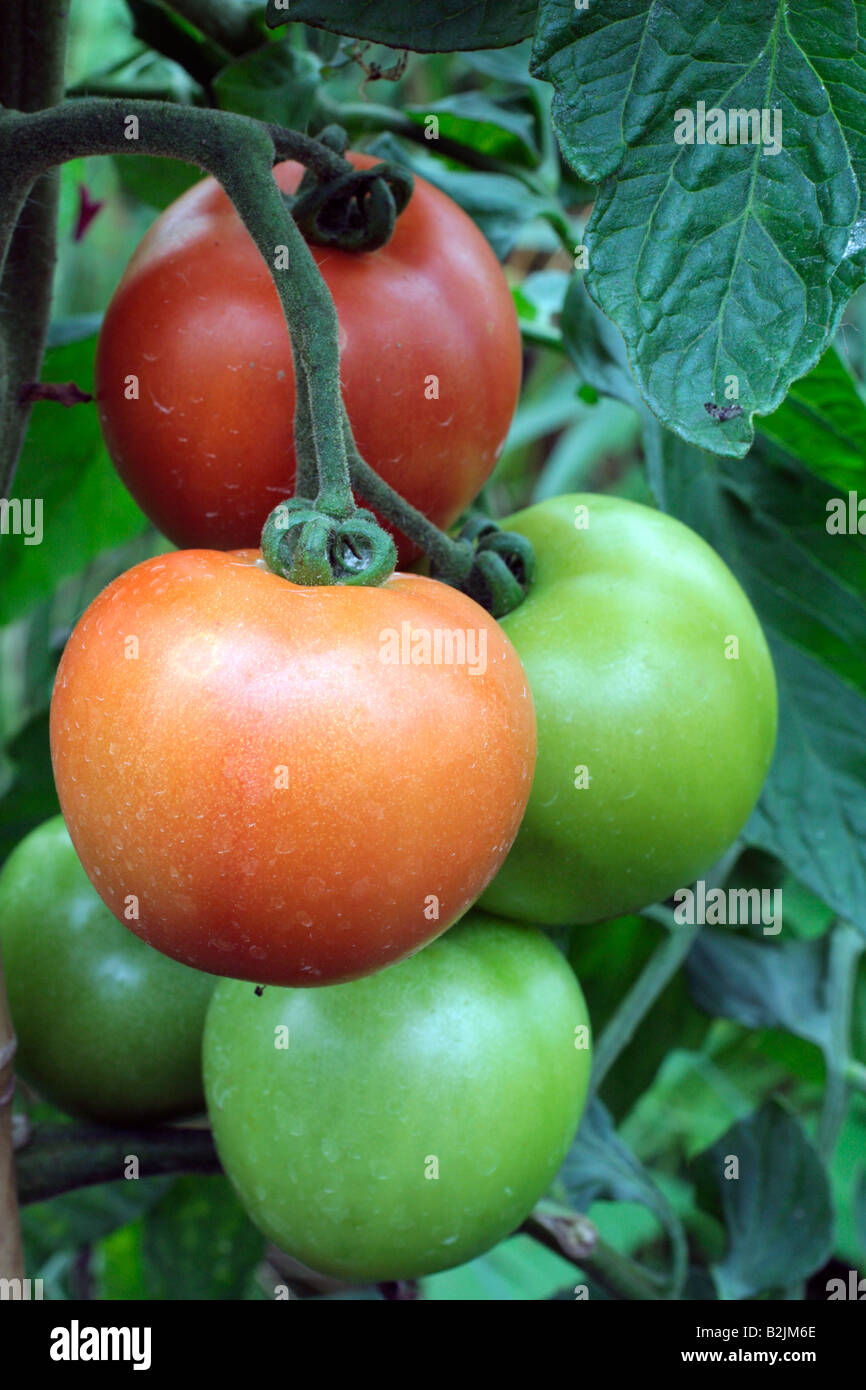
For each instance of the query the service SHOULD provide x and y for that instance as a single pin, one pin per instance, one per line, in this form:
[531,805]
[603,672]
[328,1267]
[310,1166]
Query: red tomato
[207,448]
[284,784]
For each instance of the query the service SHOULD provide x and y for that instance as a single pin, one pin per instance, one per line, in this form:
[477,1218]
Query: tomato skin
[207,448]
[285,806]
[623,639]
[106,1027]
[465,1054]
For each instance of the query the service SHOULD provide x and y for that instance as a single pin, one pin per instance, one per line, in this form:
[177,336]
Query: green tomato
[656,704]
[405,1122]
[107,1027]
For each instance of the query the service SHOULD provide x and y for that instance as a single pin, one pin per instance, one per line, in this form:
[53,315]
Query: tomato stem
[240,153]
[11,1255]
[63,1158]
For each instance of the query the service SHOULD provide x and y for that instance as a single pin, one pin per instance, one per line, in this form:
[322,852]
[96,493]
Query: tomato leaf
[68,503]
[498,203]
[778,1211]
[807,586]
[83,1217]
[153,180]
[725,267]
[426,26]
[822,422]
[198,1243]
[762,986]
[496,130]
[600,1165]
[596,349]
[694,1098]
[276,83]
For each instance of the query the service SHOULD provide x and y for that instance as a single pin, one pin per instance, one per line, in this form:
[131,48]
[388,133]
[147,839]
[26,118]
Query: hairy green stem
[368,118]
[846,947]
[656,975]
[62,1158]
[440,548]
[240,153]
[11,1257]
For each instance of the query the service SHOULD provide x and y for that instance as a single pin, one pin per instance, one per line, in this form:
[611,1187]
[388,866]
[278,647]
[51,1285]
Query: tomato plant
[287,782]
[656,706]
[107,1027]
[429,362]
[378,1130]
[302,769]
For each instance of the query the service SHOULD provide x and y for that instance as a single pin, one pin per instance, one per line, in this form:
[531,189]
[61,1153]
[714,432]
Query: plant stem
[11,1257]
[360,118]
[32,62]
[240,153]
[448,554]
[575,1238]
[63,1158]
[846,947]
[658,972]
[32,67]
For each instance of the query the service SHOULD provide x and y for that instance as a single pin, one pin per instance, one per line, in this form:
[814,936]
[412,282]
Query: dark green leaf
[812,812]
[599,1165]
[198,1242]
[156,182]
[426,26]
[148,74]
[65,468]
[777,1208]
[596,350]
[502,132]
[762,986]
[860,1209]
[162,28]
[822,423]
[499,204]
[725,268]
[27,793]
[807,587]
[83,1217]
[696,1095]
[275,83]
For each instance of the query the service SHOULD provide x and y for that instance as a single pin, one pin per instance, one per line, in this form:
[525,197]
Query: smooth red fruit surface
[206,449]
[284,784]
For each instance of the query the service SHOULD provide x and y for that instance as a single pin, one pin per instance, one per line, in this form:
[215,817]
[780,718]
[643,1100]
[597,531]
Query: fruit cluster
[360,805]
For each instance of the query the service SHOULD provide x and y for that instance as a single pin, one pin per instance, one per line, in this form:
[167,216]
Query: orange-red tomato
[283,784]
[430,365]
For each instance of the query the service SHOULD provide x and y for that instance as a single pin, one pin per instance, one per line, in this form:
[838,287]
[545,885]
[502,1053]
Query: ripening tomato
[284,784]
[401,1124]
[656,704]
[194,377]
[106,1027]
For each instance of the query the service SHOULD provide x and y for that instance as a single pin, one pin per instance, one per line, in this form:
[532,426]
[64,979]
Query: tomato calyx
[354,209]
[496,567]
[303,543]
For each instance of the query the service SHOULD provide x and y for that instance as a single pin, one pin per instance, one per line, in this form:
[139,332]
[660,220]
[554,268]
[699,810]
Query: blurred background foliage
[698,1066]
